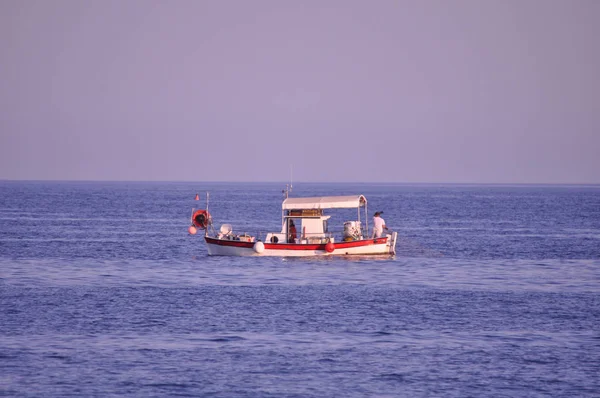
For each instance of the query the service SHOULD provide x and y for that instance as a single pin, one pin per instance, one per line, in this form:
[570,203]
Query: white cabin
[310,222]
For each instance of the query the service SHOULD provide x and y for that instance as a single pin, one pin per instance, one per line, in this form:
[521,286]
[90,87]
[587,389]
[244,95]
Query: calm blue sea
[494,292]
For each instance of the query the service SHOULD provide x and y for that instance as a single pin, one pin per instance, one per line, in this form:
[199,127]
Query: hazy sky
[499,91]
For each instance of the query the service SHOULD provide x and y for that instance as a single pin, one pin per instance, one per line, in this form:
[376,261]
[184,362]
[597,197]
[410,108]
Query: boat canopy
[324,202]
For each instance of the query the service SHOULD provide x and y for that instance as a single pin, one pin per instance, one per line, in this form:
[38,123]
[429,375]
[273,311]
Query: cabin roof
[324,202]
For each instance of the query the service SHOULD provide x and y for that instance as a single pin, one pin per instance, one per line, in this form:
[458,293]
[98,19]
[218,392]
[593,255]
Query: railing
[306,238]
[315,238]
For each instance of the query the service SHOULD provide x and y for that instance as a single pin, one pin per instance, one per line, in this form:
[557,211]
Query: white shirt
[378,224]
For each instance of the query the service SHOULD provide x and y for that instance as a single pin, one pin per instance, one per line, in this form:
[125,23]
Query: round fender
[259,247]
[329,247]
[192,230]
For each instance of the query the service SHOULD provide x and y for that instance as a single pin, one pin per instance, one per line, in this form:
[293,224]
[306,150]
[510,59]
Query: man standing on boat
[292,234]
[378,225]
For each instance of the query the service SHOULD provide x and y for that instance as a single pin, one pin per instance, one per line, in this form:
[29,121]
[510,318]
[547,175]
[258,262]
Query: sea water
[494,291]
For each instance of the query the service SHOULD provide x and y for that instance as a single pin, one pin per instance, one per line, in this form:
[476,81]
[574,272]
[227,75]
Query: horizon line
[311,182]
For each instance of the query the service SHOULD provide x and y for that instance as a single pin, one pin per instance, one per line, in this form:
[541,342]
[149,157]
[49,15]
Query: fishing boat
[313,238]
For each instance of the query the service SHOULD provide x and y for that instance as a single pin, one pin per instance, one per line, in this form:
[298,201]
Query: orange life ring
[201,219]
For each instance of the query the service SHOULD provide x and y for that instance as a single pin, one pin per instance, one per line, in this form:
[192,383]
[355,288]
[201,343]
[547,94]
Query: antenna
[291,176]
[287,190]
[288,187]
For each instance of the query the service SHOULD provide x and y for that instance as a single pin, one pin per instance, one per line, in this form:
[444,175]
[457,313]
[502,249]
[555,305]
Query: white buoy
[259,247]
[192,230]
